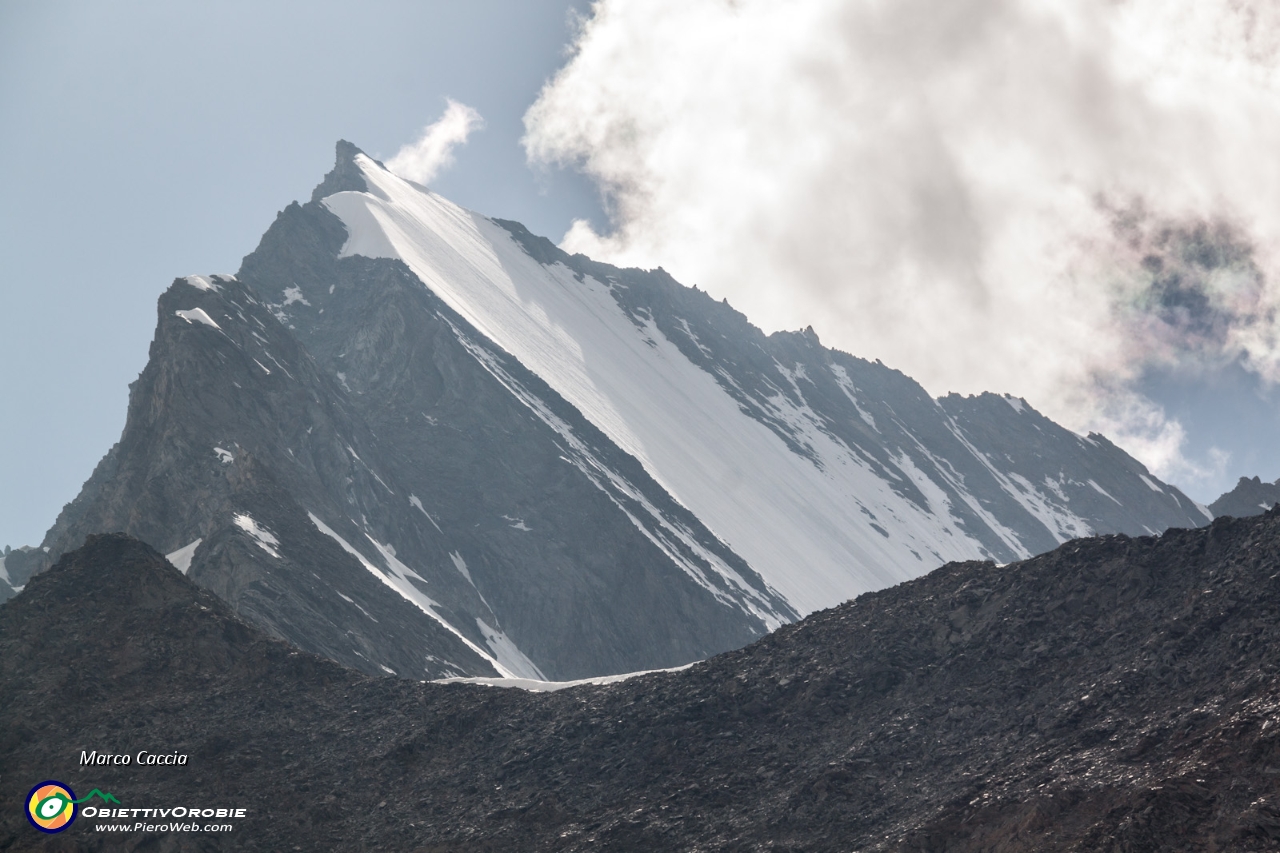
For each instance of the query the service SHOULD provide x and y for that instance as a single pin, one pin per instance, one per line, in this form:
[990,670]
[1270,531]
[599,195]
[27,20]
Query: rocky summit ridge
[426,443]
[1251,496]
[1116,694]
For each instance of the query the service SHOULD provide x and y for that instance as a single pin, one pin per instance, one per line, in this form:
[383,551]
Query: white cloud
[969,190]
[1143,429]
[422,160]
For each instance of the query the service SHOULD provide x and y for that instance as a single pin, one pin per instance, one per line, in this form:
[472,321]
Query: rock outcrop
[1251,496]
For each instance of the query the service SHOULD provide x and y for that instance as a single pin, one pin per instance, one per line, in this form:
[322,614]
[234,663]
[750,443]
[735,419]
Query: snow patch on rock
[415,502]
[292,295]
[200,282]
[508,652]
[181,558]
[263,537]
[538,686]
[197,315]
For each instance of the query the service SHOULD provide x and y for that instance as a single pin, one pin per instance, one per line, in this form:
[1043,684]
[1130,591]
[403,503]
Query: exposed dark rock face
[344,177]
[1251,496]
[1115,694]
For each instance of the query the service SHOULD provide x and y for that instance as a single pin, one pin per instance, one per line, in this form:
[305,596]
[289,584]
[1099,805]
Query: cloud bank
[422,160]
[1043,198]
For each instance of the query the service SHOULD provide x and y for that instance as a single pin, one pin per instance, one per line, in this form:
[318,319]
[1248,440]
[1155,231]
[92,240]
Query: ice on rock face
[352,602]
[846,385]
[461,565]
[206,282]
[415,502]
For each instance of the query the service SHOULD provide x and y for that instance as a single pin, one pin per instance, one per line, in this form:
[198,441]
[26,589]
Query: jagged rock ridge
[1251,496]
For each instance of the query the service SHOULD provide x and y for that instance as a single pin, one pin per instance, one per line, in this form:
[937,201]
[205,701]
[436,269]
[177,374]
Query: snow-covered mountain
[422,441]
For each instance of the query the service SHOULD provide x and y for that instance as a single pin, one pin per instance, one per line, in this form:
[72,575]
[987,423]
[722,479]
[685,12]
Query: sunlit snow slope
[819,515]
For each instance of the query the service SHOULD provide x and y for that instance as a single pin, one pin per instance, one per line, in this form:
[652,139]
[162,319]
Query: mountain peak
[345,175]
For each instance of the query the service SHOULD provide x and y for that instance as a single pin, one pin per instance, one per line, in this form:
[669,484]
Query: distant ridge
[1251,496]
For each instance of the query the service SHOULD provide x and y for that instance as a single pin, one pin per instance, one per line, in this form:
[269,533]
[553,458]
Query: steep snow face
[800,522]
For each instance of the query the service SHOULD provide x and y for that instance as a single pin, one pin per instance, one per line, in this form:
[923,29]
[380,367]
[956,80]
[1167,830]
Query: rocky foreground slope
[1114,694]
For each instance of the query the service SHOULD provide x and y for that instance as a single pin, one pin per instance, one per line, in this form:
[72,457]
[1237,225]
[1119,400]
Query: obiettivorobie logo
[51,805]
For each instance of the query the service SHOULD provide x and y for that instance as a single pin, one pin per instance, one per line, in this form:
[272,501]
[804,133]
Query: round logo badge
[51,806]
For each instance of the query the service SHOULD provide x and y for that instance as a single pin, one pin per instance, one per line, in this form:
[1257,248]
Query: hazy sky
[1076,202]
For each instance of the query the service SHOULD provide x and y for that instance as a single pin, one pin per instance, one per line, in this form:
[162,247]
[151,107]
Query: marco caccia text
[142,757]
